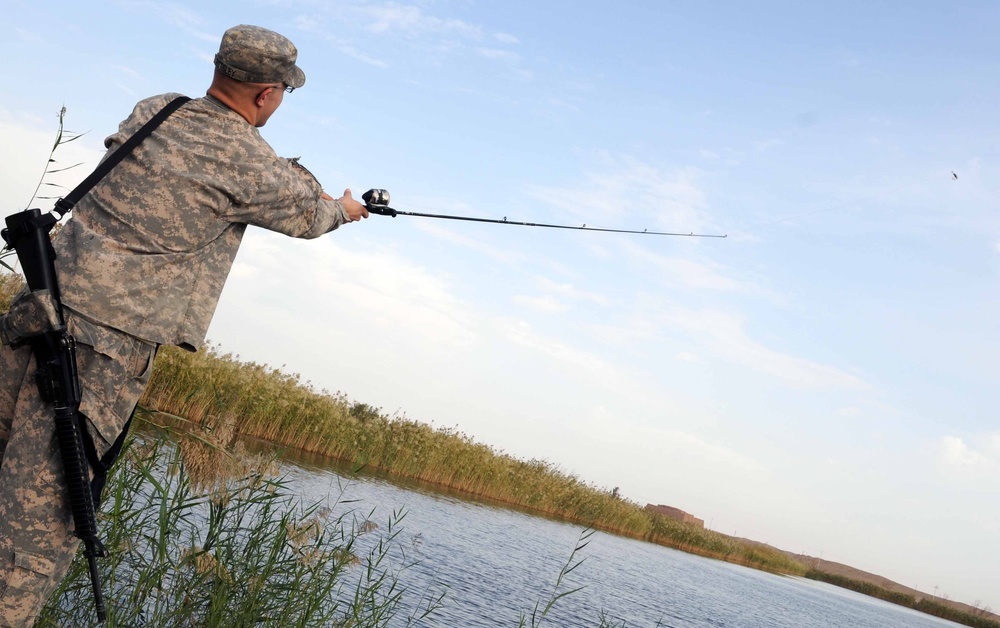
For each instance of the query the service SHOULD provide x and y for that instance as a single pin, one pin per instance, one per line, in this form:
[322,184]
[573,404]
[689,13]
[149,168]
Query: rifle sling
[100,466]
[66,203]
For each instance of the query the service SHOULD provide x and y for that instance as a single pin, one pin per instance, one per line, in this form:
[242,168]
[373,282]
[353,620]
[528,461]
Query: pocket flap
[35,563]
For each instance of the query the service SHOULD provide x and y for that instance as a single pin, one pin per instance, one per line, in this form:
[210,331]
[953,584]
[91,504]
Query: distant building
[676,513]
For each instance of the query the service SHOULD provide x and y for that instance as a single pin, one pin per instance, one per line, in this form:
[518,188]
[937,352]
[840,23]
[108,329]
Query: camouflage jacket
[148,250]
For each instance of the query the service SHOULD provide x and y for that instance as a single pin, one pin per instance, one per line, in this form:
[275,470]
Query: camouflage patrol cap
[252,54]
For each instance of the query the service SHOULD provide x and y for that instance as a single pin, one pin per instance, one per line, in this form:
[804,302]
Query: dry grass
[10,285]
[268,404]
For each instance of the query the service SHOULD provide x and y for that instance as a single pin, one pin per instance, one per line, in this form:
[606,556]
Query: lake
[495,564]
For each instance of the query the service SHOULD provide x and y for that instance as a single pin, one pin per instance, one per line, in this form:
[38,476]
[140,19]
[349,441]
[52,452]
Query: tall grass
[922,604]
[540,612]
[269,404]
[233,551]
[10,283]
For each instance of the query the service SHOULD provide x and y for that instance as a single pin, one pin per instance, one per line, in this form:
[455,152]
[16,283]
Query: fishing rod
[377,202]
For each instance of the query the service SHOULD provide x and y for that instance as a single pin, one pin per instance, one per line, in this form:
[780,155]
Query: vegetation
[979,619]
[10,284]
[539,612]
[192,543]
[278,407]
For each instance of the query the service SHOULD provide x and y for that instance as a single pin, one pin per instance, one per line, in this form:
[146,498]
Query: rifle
[27,233]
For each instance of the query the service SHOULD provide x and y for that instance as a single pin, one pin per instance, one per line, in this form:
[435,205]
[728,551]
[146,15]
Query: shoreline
[837,574]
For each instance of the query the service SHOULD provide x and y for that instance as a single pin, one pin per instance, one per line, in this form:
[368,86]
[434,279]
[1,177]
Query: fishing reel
[377,202]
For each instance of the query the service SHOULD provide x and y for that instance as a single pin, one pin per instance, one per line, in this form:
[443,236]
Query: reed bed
[269,404]
[231,547]
[979,619]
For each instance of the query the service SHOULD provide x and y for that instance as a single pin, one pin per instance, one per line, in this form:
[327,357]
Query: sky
[824,379]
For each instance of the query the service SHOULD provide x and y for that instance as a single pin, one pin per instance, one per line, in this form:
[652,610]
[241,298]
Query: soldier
[142,263]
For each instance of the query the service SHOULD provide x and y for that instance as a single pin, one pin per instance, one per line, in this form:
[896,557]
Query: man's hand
[355,210]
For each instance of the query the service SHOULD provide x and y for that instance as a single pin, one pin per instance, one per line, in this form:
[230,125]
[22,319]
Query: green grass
[231,551]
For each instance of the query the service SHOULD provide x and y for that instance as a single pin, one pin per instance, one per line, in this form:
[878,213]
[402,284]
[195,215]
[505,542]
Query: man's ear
[263,95]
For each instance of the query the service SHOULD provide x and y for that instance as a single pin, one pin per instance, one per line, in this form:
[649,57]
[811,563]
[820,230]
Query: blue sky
[823,379]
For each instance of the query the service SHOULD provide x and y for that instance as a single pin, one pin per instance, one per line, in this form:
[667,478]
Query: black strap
[66,203]
[100,466]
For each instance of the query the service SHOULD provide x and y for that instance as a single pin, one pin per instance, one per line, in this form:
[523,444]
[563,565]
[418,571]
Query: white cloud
[571,292]
[206,56]
[128,90]
[543,304]
[713,453]
[410,21]
[671,452]
[993,444]
[625,188]
[175,14]
[571,358]
[354,53]
[585,365]
[445,234]
[315,26]
[722,333]
[955,454]
[352,26]
[689,273]
[124,69]
[500,55]
[389,290]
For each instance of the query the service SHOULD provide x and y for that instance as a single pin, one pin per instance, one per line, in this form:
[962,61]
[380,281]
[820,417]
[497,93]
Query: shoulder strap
[66,203]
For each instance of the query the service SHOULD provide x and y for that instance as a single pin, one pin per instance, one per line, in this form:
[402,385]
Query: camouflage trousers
[36,540]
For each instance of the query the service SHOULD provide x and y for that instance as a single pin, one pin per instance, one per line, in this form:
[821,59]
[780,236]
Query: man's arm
[288,199]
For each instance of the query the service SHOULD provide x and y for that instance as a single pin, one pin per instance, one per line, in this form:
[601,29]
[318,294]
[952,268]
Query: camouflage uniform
[142,262]
[148,250]
[36,545]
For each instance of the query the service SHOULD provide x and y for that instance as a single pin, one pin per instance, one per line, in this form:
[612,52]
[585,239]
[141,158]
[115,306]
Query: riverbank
[218,391]
[874,585]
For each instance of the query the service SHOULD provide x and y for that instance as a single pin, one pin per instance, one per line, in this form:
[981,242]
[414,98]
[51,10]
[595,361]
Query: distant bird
[954,176]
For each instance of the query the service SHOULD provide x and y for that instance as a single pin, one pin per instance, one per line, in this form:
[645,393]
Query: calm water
[495,564]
